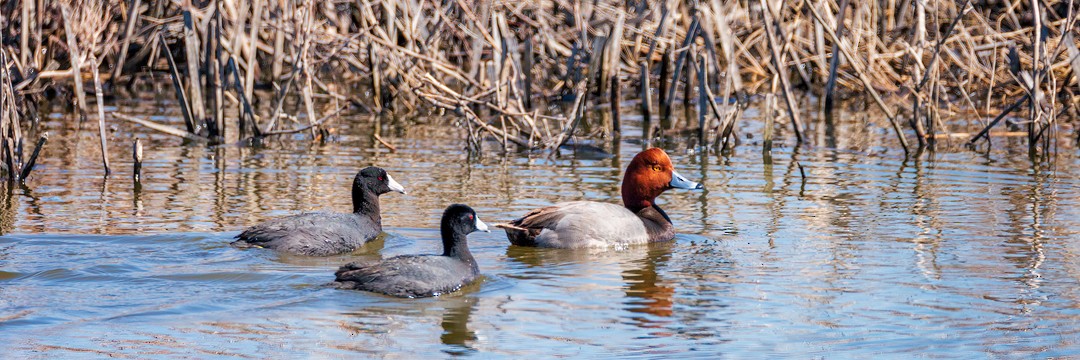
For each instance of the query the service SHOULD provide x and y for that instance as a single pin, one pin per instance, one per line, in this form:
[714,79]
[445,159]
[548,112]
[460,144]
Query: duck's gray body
[589,224]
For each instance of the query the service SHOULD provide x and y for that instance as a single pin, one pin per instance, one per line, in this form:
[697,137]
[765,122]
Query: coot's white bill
[394,184]
[480,225]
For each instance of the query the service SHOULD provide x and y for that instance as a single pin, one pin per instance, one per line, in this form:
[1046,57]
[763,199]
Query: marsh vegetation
[533,75]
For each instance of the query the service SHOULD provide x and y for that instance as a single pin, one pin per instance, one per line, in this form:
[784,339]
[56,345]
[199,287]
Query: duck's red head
[649,175]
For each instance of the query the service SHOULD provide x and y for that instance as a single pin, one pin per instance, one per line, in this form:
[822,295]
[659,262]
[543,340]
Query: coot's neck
[366,202]
[456,246]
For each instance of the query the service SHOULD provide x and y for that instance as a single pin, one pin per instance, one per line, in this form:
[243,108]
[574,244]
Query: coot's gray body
[312,234]
[324,233]
[415,276]
[409,276]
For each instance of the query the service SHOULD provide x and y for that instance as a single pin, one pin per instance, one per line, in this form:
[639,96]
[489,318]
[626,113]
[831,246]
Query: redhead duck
[324,234]
[590,224]
[413,276]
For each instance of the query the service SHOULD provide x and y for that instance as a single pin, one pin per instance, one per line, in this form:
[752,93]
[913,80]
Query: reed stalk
[524,62]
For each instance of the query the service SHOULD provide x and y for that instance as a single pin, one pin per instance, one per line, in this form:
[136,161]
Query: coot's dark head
[457,222]
[461,219]
[375,180]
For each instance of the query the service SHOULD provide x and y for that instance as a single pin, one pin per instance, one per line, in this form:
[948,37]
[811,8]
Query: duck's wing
[312,234]
[407,276]
[578,224]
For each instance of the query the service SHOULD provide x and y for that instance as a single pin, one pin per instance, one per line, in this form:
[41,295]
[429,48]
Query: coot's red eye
[380,178]
[470,217]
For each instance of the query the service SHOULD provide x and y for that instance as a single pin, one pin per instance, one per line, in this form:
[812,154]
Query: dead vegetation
[525,72]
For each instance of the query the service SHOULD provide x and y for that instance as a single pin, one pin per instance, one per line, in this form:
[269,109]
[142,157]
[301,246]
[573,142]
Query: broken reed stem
[527,71]
[376,77]
[830,85]
[129,30]
[137,160]
[73,50]
[309,104]
[216,72]
[679,66]
[306,26]
[33,157]
[133,16]
[279,41]
[767,137]
[918,69]
[646,102]
[181,94]
[690,76]
[703,98]
[159,127]
[934,109]
[665,75]
[24,34]
[191,44]
[772,26]
[253,39]
[244,103]
[1035,104]
[384,143]
[616,99]
[1000,116]
[101,116]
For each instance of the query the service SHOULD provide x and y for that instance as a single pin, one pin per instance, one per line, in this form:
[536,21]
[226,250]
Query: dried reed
[480,58]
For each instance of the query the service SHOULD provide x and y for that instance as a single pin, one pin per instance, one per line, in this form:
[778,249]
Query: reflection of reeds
[500,64]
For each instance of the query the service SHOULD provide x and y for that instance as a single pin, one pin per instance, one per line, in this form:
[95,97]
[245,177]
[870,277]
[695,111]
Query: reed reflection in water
[955,254]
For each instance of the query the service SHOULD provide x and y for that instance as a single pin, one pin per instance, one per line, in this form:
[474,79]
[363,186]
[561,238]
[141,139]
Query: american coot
[415,276]
[321,233]
[590,224]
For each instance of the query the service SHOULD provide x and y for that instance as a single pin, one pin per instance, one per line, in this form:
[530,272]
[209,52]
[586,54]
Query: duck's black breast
[312,234]
[409,275]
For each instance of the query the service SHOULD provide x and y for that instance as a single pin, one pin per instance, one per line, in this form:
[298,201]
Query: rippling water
[958,254]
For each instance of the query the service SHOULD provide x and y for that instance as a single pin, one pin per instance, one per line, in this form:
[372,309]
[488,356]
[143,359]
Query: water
[959,254]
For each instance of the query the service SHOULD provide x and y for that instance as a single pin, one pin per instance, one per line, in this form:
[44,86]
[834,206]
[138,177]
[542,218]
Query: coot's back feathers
[312,234]
[409,276]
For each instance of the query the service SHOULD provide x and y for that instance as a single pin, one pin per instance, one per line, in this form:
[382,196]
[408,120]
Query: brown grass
[503,65]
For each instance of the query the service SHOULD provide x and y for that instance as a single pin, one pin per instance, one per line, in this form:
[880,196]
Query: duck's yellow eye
[657,168]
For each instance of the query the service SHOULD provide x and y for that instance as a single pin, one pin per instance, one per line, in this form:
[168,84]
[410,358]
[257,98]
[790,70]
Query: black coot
[415,276]
[321,233]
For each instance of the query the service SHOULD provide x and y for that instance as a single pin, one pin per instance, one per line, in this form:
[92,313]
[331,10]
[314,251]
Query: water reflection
[455,324]
[381,316]
[8,208]
[953,254]
[646,290]
[926,210]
